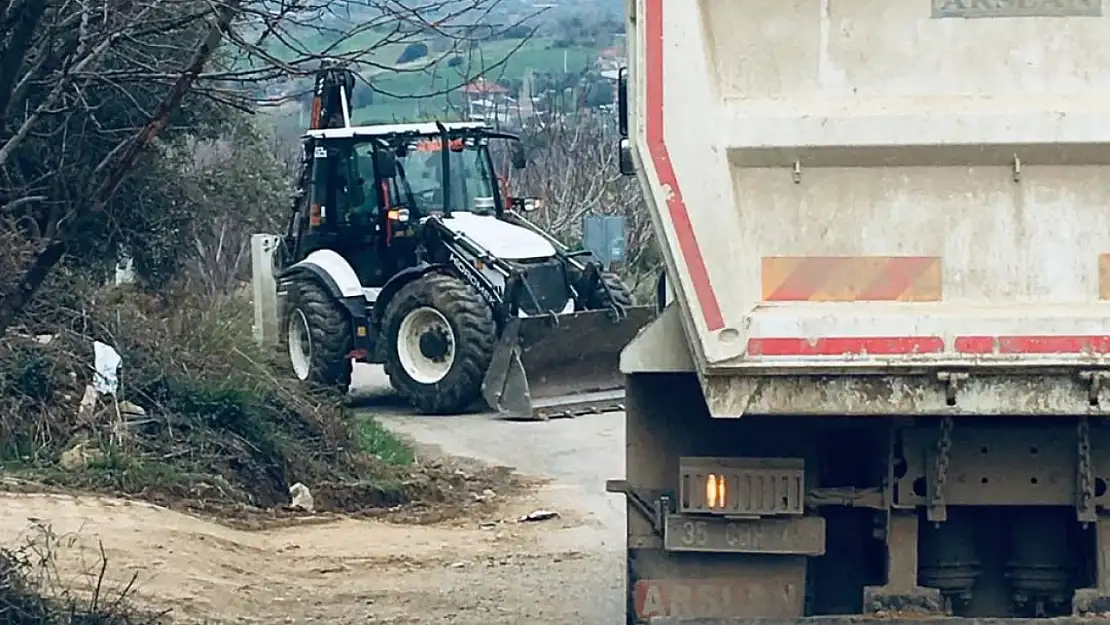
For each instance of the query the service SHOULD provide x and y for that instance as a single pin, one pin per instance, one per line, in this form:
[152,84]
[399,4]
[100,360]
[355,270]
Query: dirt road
[490,570]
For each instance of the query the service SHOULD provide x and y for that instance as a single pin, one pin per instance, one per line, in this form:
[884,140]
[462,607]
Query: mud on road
[483,567]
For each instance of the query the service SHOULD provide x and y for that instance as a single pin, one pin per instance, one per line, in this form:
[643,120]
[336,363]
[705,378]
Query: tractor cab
[372,186]
[440,182]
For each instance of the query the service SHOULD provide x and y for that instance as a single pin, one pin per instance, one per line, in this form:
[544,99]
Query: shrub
[220,422]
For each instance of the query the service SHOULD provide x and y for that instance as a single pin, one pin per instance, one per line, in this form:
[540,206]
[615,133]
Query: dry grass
[221,423]
[34,592]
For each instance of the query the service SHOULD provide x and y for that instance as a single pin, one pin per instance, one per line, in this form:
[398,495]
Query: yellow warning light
[361,331]
[715,491]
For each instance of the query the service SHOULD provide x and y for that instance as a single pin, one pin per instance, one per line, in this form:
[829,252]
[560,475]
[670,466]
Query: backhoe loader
[404,249]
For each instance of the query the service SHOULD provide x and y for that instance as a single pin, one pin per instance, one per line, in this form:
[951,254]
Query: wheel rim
[426,345]
[300,345]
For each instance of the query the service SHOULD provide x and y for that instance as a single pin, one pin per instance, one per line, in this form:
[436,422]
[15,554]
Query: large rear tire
[440,335]
[622,296]
[316,335]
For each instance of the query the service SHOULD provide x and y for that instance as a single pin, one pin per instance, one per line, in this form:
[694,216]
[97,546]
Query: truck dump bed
[878,185]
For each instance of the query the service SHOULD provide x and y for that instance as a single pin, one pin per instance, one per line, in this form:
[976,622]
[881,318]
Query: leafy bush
[413,52]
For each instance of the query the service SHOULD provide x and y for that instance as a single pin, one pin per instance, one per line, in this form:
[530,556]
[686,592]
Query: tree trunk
[36,272]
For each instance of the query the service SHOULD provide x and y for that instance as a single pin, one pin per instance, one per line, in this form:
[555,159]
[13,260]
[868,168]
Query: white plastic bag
[108,361]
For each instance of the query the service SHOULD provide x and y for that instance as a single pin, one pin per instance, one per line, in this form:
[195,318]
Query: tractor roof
[420,129]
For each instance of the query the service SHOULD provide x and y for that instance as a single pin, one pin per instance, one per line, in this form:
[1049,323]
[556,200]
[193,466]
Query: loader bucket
[562,365]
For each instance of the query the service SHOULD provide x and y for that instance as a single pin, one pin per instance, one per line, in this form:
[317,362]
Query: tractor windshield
[471,179]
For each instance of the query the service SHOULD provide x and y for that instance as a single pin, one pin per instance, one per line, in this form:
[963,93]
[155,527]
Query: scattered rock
[458,565]
[485,495]
[302,497]
[88,404]
[79,456]
[130,409]
[538,515]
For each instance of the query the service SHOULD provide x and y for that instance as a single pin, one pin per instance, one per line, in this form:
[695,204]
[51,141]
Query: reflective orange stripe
[1104,276]
[851,278]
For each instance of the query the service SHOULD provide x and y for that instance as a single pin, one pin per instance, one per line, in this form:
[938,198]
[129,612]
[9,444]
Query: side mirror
[622,100]
[624,157]
[385,164]
[526,204]
[516,155]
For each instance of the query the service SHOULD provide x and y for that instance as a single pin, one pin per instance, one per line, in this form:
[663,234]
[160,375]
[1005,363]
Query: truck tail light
[716,491]
[742,487]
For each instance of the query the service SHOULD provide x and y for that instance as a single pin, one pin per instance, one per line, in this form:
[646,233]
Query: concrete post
[263,247]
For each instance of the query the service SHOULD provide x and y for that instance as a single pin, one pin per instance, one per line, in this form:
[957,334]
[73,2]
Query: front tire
[316,335]
[440,335]
[598,300]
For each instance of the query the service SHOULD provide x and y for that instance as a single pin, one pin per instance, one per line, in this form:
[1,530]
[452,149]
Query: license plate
[791,536]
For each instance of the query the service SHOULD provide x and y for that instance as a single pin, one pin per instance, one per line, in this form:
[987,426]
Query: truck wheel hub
[425,345]
[300,345]
[434,345]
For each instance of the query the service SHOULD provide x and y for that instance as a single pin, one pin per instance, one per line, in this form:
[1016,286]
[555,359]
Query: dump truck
[403,248]
[880,380]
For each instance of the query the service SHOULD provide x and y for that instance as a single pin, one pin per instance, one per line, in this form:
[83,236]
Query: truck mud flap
[561,365]
[875,620]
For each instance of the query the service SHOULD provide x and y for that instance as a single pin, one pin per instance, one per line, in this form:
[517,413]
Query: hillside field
[419,90]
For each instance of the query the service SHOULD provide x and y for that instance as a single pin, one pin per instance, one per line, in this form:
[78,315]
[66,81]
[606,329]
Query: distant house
[480,87]
[610,59]
[612,52]
[608,63]
[487,101]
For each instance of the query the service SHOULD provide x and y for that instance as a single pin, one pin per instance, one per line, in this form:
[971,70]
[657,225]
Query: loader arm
[545,365]
[564,252]
[588,274]
[462,252]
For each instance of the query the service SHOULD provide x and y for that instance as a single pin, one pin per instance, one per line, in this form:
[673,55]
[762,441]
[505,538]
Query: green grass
[423,91]
[374,439]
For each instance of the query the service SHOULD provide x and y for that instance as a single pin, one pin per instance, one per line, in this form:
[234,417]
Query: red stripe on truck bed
[1028,344]
[657,146]
[840,346]
[909,345]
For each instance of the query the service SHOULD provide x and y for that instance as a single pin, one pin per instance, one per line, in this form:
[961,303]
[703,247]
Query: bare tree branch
[96,94]
[573,169]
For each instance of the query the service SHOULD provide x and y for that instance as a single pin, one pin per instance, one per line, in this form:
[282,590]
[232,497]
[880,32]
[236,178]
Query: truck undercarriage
[895,516]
